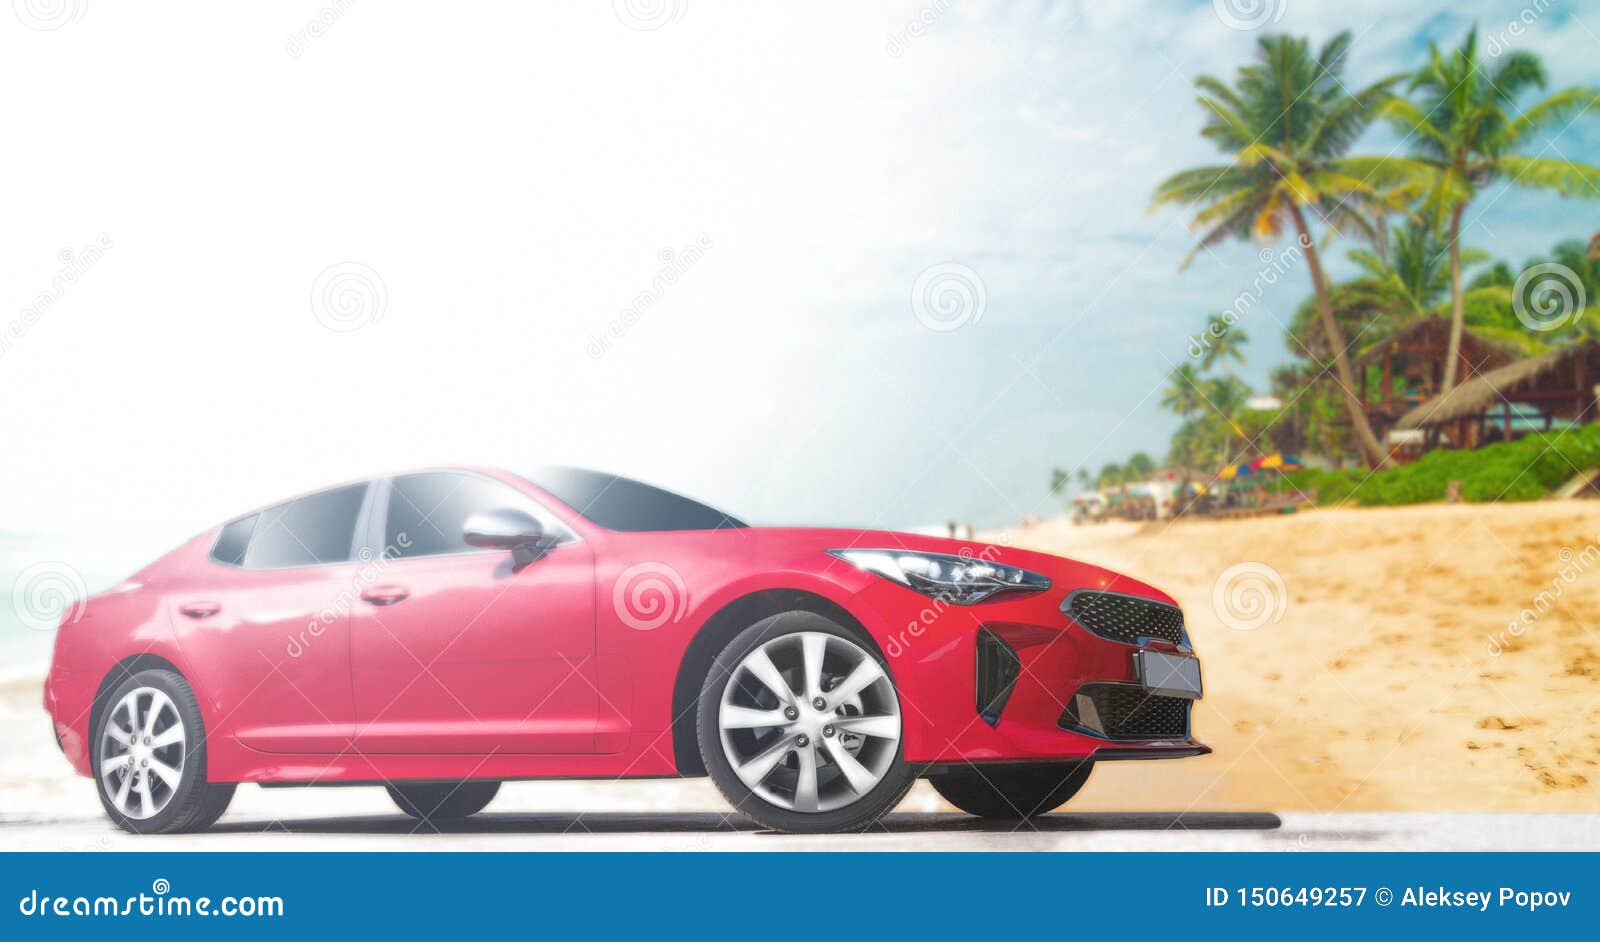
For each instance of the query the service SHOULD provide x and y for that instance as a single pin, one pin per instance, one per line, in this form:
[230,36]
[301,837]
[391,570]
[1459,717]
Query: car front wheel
[799,726]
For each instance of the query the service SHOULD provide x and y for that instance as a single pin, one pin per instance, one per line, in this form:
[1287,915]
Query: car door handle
[200,609]
[385,594]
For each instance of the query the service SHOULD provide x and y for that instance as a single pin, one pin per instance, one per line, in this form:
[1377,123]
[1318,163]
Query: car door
[269,617]
[457,650]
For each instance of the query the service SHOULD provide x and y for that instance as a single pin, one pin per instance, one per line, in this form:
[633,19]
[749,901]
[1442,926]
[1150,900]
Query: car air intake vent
[998,667]
[1126,711]
[1125,618]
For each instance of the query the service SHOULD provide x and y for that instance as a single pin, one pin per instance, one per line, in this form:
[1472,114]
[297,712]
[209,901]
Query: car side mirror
[508,528]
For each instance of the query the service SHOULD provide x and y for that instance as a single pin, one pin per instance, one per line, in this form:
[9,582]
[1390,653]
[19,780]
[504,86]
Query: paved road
[699,831]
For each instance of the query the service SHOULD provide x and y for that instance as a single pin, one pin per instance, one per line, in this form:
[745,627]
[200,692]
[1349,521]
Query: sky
[824,263]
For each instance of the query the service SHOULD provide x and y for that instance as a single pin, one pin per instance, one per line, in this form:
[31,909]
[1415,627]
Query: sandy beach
[1383,674]
[1391,678]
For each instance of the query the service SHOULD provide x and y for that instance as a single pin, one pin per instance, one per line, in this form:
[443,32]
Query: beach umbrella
[1277,461]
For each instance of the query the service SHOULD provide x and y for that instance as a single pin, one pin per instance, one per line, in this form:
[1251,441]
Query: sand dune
[1384,675]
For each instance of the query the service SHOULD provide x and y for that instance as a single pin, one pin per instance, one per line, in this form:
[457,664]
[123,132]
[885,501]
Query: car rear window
[233,540]
[316,529]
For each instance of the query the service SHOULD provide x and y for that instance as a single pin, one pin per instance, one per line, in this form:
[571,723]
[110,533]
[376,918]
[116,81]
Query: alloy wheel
[142,752]
[809,721]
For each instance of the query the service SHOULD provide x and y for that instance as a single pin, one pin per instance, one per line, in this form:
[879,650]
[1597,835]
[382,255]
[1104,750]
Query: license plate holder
[1169,675]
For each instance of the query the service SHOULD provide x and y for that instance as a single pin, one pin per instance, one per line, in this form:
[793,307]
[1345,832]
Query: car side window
[428,512]
[313,530]
[233,540]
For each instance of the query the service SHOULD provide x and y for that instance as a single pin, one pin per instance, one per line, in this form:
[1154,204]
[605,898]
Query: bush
[1526,469]
[1332,487]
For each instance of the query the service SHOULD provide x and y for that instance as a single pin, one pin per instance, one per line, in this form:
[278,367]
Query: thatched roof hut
[1428,338]
[1559,384]
[1410,367]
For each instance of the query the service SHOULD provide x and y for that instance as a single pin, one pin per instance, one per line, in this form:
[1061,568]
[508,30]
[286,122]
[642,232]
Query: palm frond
[1191,186]
[1338,127]
[1567,177]
[1234,226]
[1411,121]
[1219,90]
[1515,73]
[1226,127]
[1224,208]
[1559,108]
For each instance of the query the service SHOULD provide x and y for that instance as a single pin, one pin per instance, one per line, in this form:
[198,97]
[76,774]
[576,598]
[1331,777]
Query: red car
[441,631]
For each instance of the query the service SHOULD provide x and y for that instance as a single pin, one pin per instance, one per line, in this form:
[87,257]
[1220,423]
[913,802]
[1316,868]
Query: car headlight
[959,580]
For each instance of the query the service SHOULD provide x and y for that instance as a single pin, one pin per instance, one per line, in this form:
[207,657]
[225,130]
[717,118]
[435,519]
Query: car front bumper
[1020,681]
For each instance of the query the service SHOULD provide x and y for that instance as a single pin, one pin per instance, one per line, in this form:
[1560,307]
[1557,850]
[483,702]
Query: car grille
[1125,618]
[1126,711]
[998,667]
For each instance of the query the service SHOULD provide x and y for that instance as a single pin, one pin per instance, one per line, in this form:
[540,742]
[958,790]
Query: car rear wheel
[799,726]
[442,801]
[150,757]
[1012,794]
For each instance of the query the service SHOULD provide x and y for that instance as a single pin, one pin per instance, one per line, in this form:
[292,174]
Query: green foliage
[1332,487]
[1286,126]
[1526,469]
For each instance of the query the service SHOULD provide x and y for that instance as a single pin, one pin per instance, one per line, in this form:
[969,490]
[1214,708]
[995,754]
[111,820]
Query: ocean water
[43,578]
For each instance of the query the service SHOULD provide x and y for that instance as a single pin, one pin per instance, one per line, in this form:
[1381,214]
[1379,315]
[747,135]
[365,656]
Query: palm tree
[1467,126]
[1414,266]
[1287,124]
[1226,395]
[1182,395]
[1059,480]
[1224,343]
[1139,466]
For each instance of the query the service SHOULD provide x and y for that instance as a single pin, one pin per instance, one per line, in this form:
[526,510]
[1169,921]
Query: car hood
[796,546]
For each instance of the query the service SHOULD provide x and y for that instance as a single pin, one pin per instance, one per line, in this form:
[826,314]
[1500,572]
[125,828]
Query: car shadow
[616,822]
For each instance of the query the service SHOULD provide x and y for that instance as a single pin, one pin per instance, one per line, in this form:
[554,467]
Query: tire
[802,768]
[443,801]
[1012,794]
[159,705]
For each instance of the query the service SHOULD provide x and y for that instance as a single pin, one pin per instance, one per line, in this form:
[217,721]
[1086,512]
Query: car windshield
[618,503]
